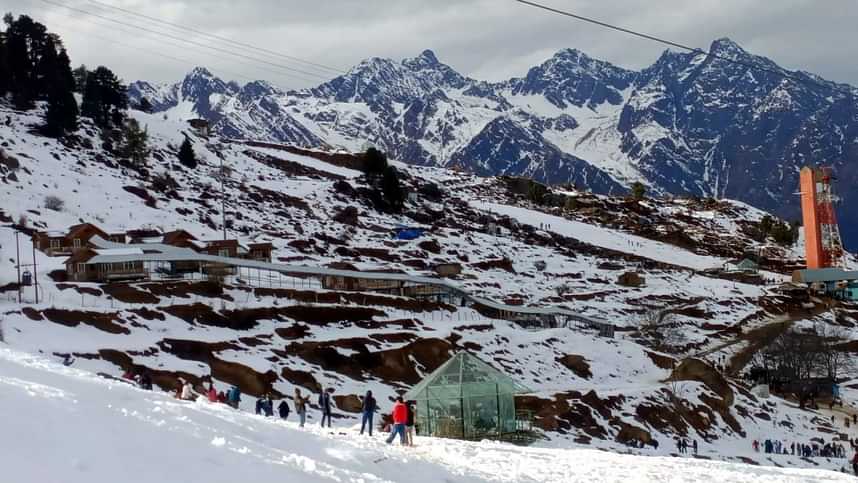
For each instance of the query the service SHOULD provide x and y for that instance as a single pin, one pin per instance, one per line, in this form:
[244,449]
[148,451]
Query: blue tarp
[408,233]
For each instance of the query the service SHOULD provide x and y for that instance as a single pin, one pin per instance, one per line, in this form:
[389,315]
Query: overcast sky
[485,39]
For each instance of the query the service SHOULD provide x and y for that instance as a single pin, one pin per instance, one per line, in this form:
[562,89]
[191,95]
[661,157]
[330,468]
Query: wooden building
[80,269]
[77,237]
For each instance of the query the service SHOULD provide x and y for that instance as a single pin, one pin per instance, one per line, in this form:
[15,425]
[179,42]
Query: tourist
[367,412]
[409,423]
[400,419]
[283,409]
[301,406]
[325,406]
[233,396]
[212,393]
[187,392]
[694,445]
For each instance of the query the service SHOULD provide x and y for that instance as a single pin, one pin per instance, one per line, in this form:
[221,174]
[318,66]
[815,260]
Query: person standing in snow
[325,406]
[694,445]
[212,393]
[301,406]
[187,391]
[409,423]
[283,409]
[268,406]
[367,412]
[258,409]
[146,381]
[855,464]
[233,396]
[400,420]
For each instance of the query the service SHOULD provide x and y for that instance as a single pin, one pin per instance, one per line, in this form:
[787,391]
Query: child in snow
[409,424]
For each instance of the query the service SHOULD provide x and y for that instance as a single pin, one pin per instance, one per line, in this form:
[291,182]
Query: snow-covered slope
[273,334]
[63,424]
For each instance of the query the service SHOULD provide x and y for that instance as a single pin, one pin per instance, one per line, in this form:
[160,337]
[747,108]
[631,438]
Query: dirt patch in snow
[129,294]
[576,364]
[392,366]
[105,321]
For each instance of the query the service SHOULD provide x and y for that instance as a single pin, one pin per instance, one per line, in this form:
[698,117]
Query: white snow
[63,424]
[604,237]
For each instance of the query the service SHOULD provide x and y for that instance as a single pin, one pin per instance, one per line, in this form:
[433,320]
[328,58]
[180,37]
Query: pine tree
[61,117]
[80,74]
[4,66]
[375,161]
[135,145]
[20,61]
[392,189]
[186,154]
[104,98]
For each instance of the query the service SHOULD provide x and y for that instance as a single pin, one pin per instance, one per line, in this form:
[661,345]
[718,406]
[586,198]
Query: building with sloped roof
[467,398]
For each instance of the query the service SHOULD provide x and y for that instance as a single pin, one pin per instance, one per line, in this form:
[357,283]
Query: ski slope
[65,425]
[604,237]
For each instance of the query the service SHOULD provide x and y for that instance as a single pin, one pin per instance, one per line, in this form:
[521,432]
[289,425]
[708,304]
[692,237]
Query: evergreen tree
[20,58]
[4,66]
[61,117]
[80,74]
[392,189]
[186,154]
[375,161]
[104,98]
[638,191]
[135,145]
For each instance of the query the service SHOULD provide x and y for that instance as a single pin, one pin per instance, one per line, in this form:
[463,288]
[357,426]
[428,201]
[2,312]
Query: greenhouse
[466,398]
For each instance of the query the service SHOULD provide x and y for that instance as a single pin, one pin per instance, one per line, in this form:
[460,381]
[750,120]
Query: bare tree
[662,329]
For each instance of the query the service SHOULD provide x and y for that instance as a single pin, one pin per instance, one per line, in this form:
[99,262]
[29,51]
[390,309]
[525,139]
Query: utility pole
[35,273]
[18,263]
[222,196]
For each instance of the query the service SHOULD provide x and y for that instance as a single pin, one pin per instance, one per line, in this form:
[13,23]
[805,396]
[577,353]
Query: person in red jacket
[400,419]
[212,394]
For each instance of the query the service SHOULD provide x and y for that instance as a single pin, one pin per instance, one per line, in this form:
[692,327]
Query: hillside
[689,124]
[270,334]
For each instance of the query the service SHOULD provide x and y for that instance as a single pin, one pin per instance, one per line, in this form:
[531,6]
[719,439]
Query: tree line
[35,72]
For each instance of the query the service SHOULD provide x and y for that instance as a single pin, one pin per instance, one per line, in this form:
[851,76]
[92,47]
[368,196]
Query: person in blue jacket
[233,397]
[367,412]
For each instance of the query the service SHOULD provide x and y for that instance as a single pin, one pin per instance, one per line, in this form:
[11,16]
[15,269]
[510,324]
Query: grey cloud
[486,39]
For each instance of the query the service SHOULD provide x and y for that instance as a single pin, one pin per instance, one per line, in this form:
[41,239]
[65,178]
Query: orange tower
[822,244]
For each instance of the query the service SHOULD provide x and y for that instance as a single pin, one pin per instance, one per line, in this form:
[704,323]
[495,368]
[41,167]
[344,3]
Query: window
[77,242]
[223,252]
[81,267]
[55,243]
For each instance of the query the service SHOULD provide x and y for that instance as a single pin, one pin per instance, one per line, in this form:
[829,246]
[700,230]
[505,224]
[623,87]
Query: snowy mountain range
[689,124]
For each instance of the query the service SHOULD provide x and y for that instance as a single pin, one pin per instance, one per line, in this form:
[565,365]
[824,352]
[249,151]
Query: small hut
[466,398]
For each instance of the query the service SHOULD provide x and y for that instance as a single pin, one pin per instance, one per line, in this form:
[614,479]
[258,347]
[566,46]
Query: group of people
[142,380]
[682,445]
[811,450]
[403,414]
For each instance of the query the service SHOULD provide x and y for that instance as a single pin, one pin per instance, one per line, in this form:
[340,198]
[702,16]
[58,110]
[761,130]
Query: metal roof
[159,252]
[824,275]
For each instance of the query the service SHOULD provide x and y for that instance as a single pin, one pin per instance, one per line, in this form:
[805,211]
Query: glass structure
[466,398]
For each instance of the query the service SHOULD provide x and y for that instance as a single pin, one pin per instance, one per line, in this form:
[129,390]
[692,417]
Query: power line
[187,41]
[173,44]
[222,39]
[781,73]
[148,51]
